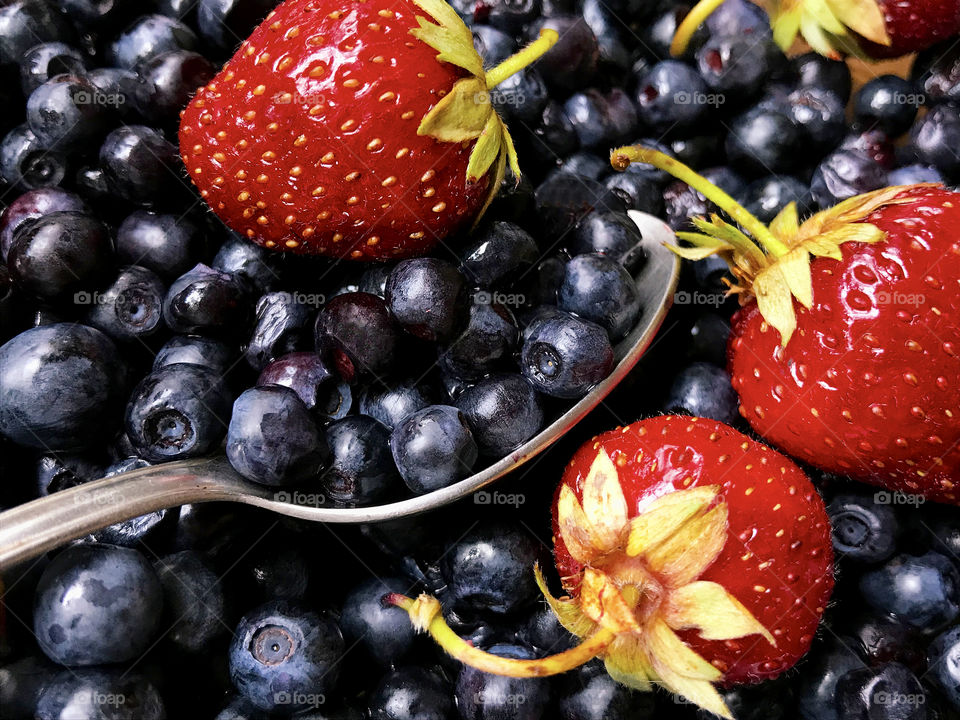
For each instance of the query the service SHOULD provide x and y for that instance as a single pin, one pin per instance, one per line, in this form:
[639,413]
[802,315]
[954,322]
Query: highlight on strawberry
[845,352]
[691,555]
[358,130]
[872,29]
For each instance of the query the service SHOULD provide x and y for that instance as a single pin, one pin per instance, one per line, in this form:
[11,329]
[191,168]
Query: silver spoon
[35,527]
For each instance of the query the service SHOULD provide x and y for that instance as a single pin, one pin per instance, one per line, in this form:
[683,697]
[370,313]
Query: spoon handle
[35,527]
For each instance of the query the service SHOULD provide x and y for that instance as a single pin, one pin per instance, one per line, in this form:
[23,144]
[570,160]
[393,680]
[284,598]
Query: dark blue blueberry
[130,308]
[771,700]
[817,682]
[118,89]
[44,61]
[709,274]
[739,17]
[944,661]
[910,174]
[24,23]
[240,257]
[207,301]
[511,16]
[494,45]
[863,529]
[887,102]
[843,174]
[921,591]
[521,97]
[820,116]
[488,570]
[433,448]
[226,22]
[598,288]
[140,165]
[707,339]
[545,634]
[280,327]
[814,70]
[95,14]
[608,29]
[32,205]
[411,693]
[100,694]
[196,350]
[150,36]
[482,696]
[703,390]
[682,202]
[167,244]
[542,287]
[875,144]
[177,412]
[392,405]
[589,693]
[565,356]
[487,342]
[586,112]
[503,412]
[764,141]
[572,62]
[733,66]
[361,467]
[97,604]
[284,657]
[621,115]
[936,137]
[273,439]
[936,73]
[373,280]
[888,692]
[564,199]
[554,136]
[67,113]
[25,164]
[383,631]
[585,164]
[347,323]
[148,530]
[497,254]
[61,386]
[61,255]
[277,569]
[657,35]
[61,471]
[671,94]
[307,375]
[168,82]
[766,197]
[193,598]
[239,708]
[636,191]
[882,638]
[425,296]
[21,683]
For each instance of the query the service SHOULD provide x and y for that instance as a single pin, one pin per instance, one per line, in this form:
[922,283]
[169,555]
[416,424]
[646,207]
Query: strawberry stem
[425,615]
[517,62]
[694,19]
[622,157]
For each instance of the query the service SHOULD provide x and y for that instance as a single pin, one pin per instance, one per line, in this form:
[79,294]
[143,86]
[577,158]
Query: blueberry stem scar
[530,54]
[425,615]
[694,19]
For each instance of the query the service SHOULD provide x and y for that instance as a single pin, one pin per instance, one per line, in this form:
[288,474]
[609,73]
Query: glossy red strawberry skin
[306,141]
[869,384]
[778,559]
[915,25]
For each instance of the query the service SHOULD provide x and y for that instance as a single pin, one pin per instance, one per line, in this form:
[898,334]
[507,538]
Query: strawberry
[692,555]
[361,130]
[874,29]
[846,350]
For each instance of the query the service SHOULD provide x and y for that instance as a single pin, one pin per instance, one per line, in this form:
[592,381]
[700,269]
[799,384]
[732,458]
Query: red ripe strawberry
[693,555]
[873,28]
[846,351]
[354,129]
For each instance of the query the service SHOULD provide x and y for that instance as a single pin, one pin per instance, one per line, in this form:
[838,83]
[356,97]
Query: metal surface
[35,527]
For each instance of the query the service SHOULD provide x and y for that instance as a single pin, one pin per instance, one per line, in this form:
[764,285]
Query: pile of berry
[153,333]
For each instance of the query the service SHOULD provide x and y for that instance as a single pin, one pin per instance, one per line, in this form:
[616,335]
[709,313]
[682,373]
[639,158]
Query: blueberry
[863,530]
[433,448]
[585,164]
[511,16]
[874,144]
[306,374]
[140,165]
[887,102]
[587,111]
[239,708]
[346,324]
[118,89]
[844,174]
[682,202]
[910,174]
[921,591]
[284,657]
[888,692]
[24,162]
[563,199]
[65,113]
[276,569]
[498,253]
[168,82]
[636,192]
[32,205]
[503,412]
[766,197]
[572,62]
[273,439]
[936,73]
[411,693]
[521,97]
[703,390]
[734,65]
[61,386]
[671,94]
[204,300]
[148,37]
[598,288]
[819,114]
[130,308]
[279,328]
[944,662]
[936,136]
[24,23]
[177,412]
[100,694]
[97,604]
[589,693]
[554,136]
[21,684]
[224,23]
[493,45]
[487,342]
[764,141]
[61,471]
[44,61]
[817,682]
[256,265]
[482,696]
[361,469]
[425,295]
[543,632]
[193,598]
[814,70]
[144,531]
[772,700]
[392,405]
[564,356]
[212,354]
[707,340]
[657,35]
[608,30]
[739,17]
[660,177]
[167,244]
[383,631]
[882,638]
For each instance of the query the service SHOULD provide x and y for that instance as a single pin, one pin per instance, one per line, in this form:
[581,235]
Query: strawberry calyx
[770,264]
[466,113]
[638,588]
[826,25]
